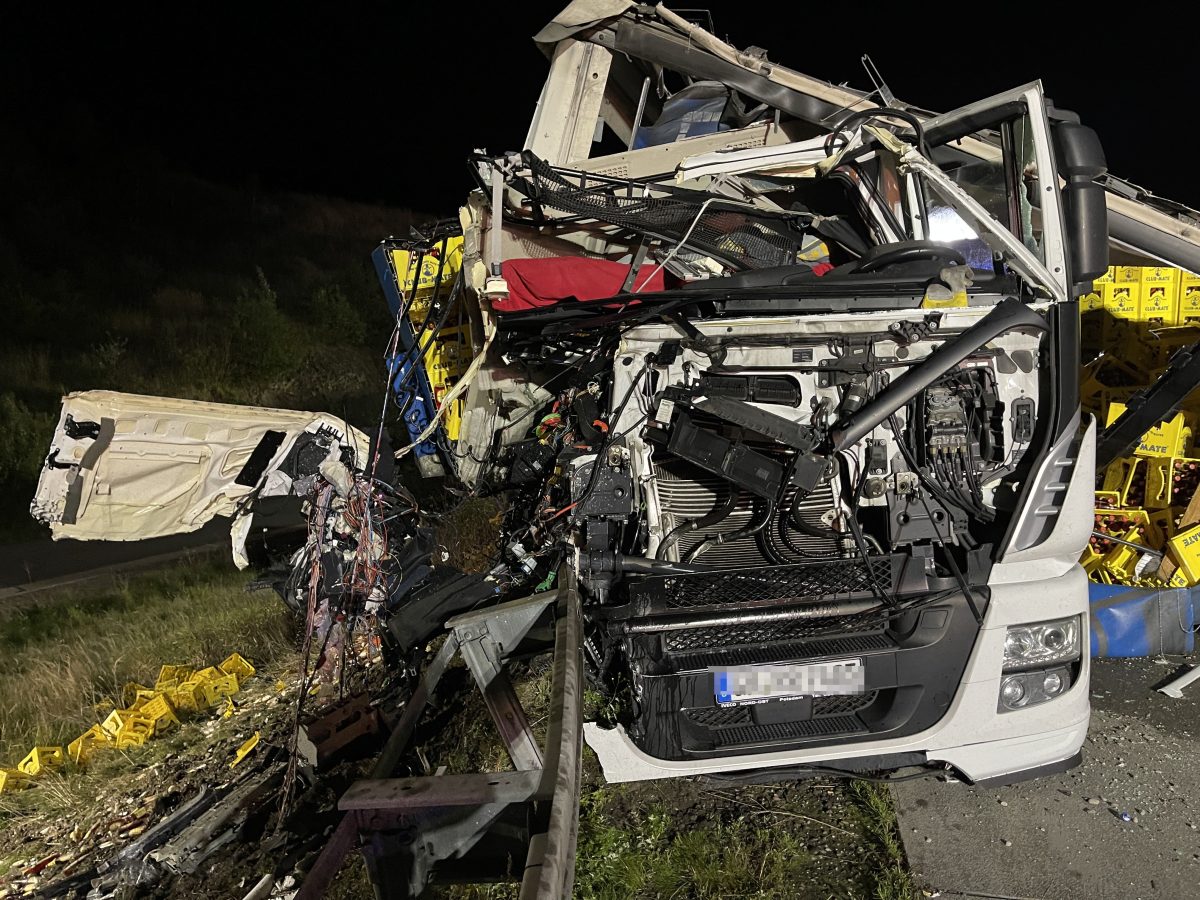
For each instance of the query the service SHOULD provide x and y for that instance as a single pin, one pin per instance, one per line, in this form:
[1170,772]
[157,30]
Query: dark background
[382,102]
[189,193]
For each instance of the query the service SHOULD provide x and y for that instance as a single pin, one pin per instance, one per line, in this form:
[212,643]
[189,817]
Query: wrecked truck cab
[126,467]
[790,385]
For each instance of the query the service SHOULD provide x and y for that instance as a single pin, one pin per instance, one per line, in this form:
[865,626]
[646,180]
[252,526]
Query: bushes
[24,438]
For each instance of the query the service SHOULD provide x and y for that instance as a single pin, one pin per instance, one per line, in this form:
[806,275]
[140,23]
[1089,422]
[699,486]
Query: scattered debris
[778,388]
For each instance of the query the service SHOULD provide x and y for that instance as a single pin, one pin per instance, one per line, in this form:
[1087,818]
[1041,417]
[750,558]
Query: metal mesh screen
[825,580]
[756,633]
[746,656]
[740,236]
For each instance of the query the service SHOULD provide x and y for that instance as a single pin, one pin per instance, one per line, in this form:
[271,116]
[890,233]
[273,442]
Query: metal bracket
[408,825]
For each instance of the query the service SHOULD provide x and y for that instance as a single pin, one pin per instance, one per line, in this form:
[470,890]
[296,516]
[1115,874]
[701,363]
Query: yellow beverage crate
[1120,299]
[1189,298]
[172,676]
[1184,548]
[1121,562]
[135,731]
[235,664]
[42,759]
[224,686]
[1127,478]
[1164,520]
[160,712]
[420,286]
[1171,481]
[1170,438]
[116,718]
[13,780]
[80,749]
[1108,499]
[133,692]
[192,696]
[1107,276]
[1124,522]
[1159,303]
[1091,559]
[1126,274]
[1093,299]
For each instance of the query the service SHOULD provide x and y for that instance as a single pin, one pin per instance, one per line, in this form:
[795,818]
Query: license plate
[757,684]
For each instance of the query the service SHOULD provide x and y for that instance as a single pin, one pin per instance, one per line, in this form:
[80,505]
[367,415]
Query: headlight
[1041,643]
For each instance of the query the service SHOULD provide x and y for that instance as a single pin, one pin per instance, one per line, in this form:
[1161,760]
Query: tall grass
[63,663]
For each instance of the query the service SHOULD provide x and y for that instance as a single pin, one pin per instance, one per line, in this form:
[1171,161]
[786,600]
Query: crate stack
[1147,516]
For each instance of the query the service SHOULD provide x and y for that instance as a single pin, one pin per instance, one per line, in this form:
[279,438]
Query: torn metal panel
[126,467]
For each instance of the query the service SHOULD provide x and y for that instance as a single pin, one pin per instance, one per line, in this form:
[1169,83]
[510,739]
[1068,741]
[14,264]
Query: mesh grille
[840,704]
[833,579]
[743,656]
[731,716]
[783,731]
[719,716]
[758,633]
[740,236]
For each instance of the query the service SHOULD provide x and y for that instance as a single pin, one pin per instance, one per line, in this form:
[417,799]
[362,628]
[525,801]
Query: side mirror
[1085,214]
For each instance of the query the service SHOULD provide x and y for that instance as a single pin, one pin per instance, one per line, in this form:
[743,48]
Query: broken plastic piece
[245,750]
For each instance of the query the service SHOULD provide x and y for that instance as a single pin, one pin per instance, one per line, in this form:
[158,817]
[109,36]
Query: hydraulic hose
[726,537]
[714,516]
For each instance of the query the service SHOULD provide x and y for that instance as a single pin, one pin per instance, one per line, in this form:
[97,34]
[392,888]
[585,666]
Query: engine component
[1022,420]
[755,472]
[781,390]
[607,493]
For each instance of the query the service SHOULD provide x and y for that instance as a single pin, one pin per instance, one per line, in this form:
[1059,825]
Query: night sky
[383,102]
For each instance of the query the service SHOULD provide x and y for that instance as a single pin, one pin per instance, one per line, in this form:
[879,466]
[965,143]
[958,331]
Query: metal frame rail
[406,826]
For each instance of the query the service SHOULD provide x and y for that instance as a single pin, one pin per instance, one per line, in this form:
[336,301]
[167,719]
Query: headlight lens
[1041,643]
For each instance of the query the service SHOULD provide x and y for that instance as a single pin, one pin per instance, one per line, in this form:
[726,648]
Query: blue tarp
[1128,621]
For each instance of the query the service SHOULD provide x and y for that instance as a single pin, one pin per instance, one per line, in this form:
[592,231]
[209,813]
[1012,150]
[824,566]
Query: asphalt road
[1063,837]
[35,563]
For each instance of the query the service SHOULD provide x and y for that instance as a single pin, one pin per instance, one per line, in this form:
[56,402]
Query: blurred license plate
[748,684]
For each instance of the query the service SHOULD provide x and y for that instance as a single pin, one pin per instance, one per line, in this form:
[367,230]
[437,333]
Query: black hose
[746,531]
[880,112]
[714,516]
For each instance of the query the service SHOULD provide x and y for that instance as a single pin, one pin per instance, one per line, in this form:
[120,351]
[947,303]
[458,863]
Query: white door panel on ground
[129,467]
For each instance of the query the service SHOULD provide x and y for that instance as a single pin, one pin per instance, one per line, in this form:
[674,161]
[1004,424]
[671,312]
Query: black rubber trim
[108,428]
[253,470]
[961,126]
[1054,768]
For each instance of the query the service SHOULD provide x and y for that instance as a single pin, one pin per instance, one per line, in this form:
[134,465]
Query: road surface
[1064,837]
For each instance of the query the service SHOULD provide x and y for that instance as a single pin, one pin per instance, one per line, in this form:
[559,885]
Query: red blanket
[533,283]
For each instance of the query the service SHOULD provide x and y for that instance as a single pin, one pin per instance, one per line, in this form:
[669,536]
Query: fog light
[1022,690]
[1012,692]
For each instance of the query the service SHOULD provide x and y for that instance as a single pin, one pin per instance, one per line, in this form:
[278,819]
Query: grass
[877,817]
[64,661]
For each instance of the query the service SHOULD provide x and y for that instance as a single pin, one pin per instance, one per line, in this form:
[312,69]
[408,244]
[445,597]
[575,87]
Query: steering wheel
[885,255]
